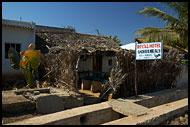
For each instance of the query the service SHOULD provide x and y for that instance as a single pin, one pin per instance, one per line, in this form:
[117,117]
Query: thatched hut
[69,57]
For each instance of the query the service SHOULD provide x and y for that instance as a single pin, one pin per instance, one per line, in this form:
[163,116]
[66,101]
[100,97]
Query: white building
[17,34]
[130,46]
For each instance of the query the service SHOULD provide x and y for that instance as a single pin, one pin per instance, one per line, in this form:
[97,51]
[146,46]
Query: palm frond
[184,4]
[181,8]
[149,30]
[175,33]
[154,12]
[177,7]
[115,38]
[153,34]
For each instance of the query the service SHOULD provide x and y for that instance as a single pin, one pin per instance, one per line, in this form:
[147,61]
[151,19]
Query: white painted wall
[105,66]
[86,65]
[10,34]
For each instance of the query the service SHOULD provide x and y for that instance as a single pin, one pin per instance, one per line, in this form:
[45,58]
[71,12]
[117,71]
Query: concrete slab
[128,108]
[73,102]
[15,103]
[84,115]
[70,101]
[41,90]
[161,97]
[46,104]
[88,114]
[157,116]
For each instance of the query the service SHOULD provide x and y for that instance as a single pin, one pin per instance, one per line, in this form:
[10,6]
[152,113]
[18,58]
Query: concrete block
[90,114]
[161,97]
[13,103]
[41,90]
[36,92]
[96,86]
[157,115]
[49,104]
[63,96]
[128,108]
[72,102]
[86,85]
[52,90]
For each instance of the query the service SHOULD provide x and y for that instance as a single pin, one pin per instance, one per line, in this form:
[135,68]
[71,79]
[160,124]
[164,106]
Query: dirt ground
[9,118]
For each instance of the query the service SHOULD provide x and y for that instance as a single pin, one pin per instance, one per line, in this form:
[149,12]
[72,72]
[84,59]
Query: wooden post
[162,51]
[76,72]
[135,71]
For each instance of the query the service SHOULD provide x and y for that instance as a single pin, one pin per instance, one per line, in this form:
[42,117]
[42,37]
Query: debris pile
[60,68]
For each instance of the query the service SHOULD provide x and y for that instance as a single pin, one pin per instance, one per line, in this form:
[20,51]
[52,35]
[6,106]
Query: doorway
[97,63]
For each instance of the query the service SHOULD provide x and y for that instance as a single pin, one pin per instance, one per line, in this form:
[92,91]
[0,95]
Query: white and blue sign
[149,51]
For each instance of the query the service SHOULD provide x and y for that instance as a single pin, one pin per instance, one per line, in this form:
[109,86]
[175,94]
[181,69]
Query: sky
[110,18]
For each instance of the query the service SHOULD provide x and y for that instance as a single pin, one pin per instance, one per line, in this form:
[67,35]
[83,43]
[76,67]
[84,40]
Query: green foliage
[184,62]
[158,34]
[70,27]
[14,58]
[176,33]
[29,62]
[35,62]
[28,75]
[115,39]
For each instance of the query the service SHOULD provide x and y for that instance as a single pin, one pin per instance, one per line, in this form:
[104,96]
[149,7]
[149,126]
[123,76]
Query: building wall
[183,79]
[23,36]
[55,29]
[88,64]
[105,66]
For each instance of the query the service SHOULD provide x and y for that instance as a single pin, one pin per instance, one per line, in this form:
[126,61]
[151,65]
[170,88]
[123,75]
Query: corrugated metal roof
[15,23]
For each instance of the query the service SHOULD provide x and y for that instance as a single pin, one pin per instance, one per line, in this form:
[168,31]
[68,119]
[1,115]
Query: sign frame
[161,50]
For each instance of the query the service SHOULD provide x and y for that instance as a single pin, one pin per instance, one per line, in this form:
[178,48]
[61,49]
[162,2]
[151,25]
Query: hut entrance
[97,63]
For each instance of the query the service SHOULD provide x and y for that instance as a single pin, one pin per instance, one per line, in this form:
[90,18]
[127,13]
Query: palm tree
[115,39]
[176,33]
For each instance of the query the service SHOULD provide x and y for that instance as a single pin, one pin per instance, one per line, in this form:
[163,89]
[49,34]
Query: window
[15,46]
[110,62]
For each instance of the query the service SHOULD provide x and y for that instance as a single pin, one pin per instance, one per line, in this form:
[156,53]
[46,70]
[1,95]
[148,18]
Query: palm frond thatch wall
[152,75]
